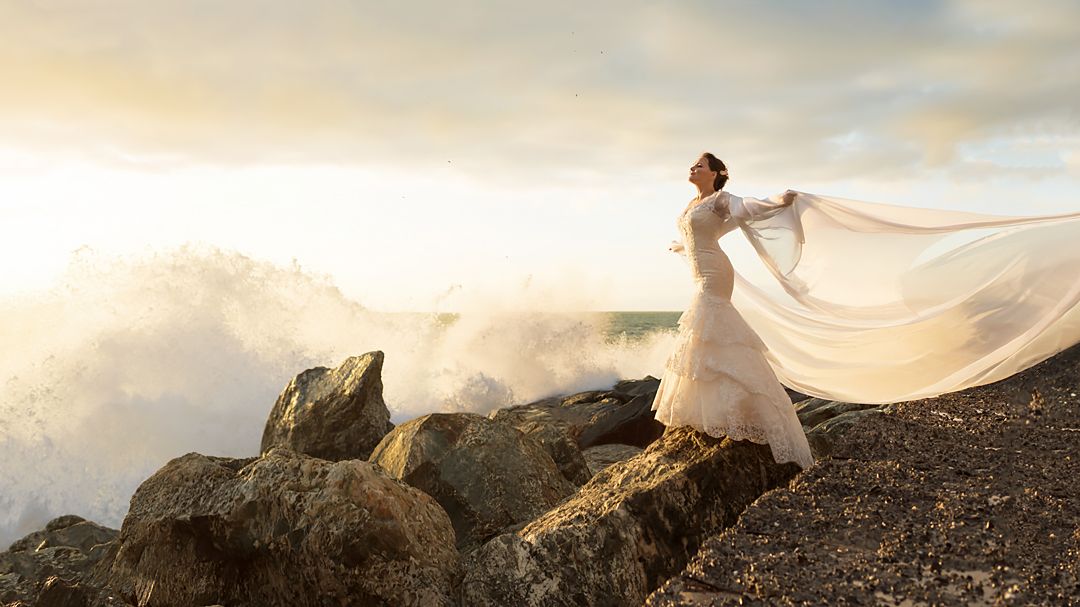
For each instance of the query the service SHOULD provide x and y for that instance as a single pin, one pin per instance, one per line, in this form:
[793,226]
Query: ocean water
[618,326]
[637,326]
[129,362]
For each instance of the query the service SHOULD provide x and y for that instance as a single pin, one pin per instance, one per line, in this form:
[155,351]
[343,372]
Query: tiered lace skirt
[718,380]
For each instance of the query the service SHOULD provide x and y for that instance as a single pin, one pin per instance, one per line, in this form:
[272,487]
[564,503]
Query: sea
[618,327]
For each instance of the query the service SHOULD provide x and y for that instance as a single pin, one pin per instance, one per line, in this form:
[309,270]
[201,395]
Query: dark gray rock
[826,421]
[333,414]
[486,475]
[283,529]
[813,411]
[69,547]
[68,530]
[824,436]
[626,530]
[622,415]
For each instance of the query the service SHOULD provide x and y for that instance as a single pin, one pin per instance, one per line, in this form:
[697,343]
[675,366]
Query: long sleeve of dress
[746,208]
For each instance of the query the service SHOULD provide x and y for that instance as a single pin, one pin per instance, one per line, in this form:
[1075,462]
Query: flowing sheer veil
[884,303]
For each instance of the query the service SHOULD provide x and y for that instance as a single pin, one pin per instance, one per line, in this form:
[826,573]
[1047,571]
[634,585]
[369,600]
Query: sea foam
[128,362]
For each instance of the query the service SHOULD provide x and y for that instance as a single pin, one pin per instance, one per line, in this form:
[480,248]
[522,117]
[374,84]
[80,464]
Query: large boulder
[69,546]
[283,529]
[486,475]
[628,529]
[333,414]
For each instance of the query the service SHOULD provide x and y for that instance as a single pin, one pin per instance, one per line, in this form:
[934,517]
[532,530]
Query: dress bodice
[702,224]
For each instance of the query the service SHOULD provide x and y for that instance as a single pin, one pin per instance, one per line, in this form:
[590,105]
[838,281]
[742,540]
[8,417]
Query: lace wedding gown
[718,378]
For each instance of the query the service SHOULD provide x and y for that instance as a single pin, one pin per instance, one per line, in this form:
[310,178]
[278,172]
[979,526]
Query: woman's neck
[702,194]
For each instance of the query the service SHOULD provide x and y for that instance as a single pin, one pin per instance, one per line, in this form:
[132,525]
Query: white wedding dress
[861,302]
[718,379]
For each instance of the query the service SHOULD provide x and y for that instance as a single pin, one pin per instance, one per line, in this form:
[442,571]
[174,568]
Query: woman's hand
[789,196]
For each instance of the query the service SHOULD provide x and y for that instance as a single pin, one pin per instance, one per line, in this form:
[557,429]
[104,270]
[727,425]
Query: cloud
[825,90]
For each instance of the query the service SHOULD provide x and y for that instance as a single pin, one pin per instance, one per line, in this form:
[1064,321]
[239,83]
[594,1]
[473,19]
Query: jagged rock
[58,592]
[283,529]
[621,415]
[825,421]
[69,546]
[795,395]
[632,423]
[602,456]
[814,411]
[333,414]
[68,530]
[628,529]
[824,436]
[486,475]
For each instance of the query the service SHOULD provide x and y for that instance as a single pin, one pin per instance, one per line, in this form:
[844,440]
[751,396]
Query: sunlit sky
[408,150]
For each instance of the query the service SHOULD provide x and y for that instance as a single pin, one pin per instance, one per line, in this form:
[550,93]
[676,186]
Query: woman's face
[700,173]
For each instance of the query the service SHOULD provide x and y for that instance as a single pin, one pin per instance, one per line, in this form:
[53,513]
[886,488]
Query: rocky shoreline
[969,498]
[584,499]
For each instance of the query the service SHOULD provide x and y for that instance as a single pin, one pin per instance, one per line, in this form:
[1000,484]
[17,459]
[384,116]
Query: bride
[863,302]
[718,378]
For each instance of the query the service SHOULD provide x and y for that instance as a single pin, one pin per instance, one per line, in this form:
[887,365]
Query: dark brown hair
[715,164]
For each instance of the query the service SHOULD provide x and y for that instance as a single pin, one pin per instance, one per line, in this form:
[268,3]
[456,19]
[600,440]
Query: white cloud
[513,91]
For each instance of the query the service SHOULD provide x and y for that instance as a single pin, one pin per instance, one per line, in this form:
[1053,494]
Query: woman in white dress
[878,303]
[718,378]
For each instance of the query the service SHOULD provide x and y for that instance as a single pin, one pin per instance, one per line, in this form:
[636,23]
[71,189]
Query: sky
[412,151]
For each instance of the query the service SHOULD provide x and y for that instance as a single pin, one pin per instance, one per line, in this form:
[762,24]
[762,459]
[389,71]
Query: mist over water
[129,362]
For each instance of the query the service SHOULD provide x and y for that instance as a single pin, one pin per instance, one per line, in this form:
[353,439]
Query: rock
[68,530]
[602,456]
[486,475]
[283,529]
[333,414]
[813,411]
[824,436]
[637,387]
[631,423]
[795,395]
[68,547]
[58,592]
[556,440]
[628,529]
[621,415]
[825,421]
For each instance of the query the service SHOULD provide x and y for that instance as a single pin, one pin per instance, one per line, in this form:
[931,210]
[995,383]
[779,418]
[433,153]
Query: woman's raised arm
[747,208]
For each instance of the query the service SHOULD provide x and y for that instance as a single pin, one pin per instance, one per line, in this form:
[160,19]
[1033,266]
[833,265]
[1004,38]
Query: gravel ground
[969,498]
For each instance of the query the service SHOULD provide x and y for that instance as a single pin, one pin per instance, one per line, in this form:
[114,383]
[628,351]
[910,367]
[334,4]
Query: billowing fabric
[884,303]
[718,378]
